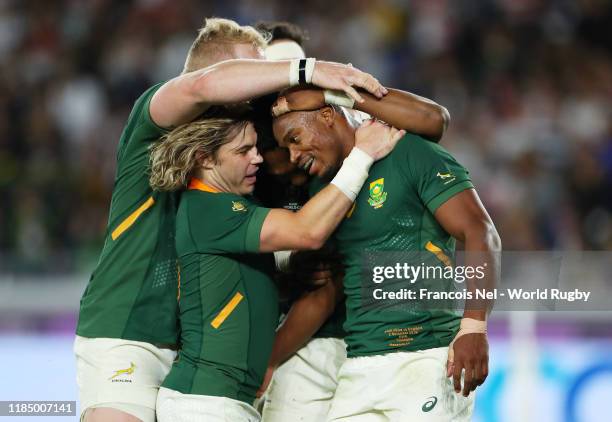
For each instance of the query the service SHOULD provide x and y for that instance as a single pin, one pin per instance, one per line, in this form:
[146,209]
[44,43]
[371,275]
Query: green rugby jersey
[228,301]
[132,291]
[394,212]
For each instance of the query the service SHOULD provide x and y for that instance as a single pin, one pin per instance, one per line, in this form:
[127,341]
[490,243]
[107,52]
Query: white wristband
[294,72]
[282,260]
[310,65]
[353,173]
[338,98]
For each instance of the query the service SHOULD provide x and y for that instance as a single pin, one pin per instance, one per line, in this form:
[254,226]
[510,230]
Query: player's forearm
[185,97]
[310,227]
[305,317]
[482,249]
[407,111]
[235,81]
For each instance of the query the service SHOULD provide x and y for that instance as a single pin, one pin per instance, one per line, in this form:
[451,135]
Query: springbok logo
[238,206]
[449,177]
[127,371]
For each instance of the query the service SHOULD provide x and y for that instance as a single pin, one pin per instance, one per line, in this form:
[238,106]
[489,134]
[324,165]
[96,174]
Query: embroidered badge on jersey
[378,196]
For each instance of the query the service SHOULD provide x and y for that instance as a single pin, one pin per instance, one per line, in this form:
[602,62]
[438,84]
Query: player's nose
[294,155]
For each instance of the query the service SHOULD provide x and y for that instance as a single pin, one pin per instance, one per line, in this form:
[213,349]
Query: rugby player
[417,199]
[309,342]
[127,331]
[303,387]
[228,302]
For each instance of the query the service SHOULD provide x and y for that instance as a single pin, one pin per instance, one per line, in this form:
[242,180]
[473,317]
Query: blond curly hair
[176,155]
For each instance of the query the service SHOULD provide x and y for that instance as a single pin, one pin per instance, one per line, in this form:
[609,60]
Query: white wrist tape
[468,326]
[282,260]
[338,98]
[353,173]
[310,65]
[294,72]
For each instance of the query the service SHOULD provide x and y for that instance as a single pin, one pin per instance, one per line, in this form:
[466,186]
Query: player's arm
[464,217]
[185,97]
[306,316]
[404,110]
[310,227]
[398,108]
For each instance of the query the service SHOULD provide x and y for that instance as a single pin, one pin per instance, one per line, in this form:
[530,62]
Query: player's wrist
[353,173]
[301,71]
[339,98]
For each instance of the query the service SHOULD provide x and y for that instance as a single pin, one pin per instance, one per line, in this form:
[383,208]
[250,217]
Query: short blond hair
[176,155]
[212,43]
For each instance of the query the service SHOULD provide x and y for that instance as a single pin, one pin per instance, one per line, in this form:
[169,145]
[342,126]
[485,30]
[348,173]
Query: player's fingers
[320,274]
[395,137]
[468,379]
[450,360]
[478,380]
[457,369]
[370,84]
[485,370]
[351,92]
[280,107]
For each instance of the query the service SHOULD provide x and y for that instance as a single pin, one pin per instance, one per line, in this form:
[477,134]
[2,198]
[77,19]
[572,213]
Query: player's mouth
[251,178]
[307,164]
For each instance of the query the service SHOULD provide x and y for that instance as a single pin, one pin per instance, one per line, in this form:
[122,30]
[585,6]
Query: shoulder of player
[416,144]
[209,204]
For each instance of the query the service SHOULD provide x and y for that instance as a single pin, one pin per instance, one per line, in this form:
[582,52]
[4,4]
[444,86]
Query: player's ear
[204,161]
[327,115]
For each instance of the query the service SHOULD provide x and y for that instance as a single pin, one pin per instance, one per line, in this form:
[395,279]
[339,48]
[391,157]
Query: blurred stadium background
[528,84]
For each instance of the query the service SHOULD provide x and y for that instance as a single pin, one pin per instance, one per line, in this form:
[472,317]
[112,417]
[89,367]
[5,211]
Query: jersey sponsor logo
[378,196]
[429,404]
[238,206]
[128,371]
[447,177]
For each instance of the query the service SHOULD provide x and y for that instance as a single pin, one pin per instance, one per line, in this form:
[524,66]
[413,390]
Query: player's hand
[470,352]
[314,269]
[330,75]
[376,138]
[266,381]
[298,100]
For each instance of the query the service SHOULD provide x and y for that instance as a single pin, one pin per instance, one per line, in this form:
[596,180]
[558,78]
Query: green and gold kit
[228,301]
[132,291]
[393,212]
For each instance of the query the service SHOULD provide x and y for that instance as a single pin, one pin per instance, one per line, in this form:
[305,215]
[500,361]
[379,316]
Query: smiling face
[314,138]
[236,164]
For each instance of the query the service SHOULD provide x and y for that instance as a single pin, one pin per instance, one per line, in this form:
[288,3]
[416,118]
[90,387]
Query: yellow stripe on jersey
[439,254]
[348,214]
[227,310]
[131,219]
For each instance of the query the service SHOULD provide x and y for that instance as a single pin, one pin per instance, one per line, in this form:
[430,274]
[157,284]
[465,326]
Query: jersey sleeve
[432,171]
[141,130]
[225,223]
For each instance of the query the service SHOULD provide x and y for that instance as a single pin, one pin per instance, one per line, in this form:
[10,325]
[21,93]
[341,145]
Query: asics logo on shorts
[429,404]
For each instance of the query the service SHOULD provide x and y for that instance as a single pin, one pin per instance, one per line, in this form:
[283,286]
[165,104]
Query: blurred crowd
[528,84]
